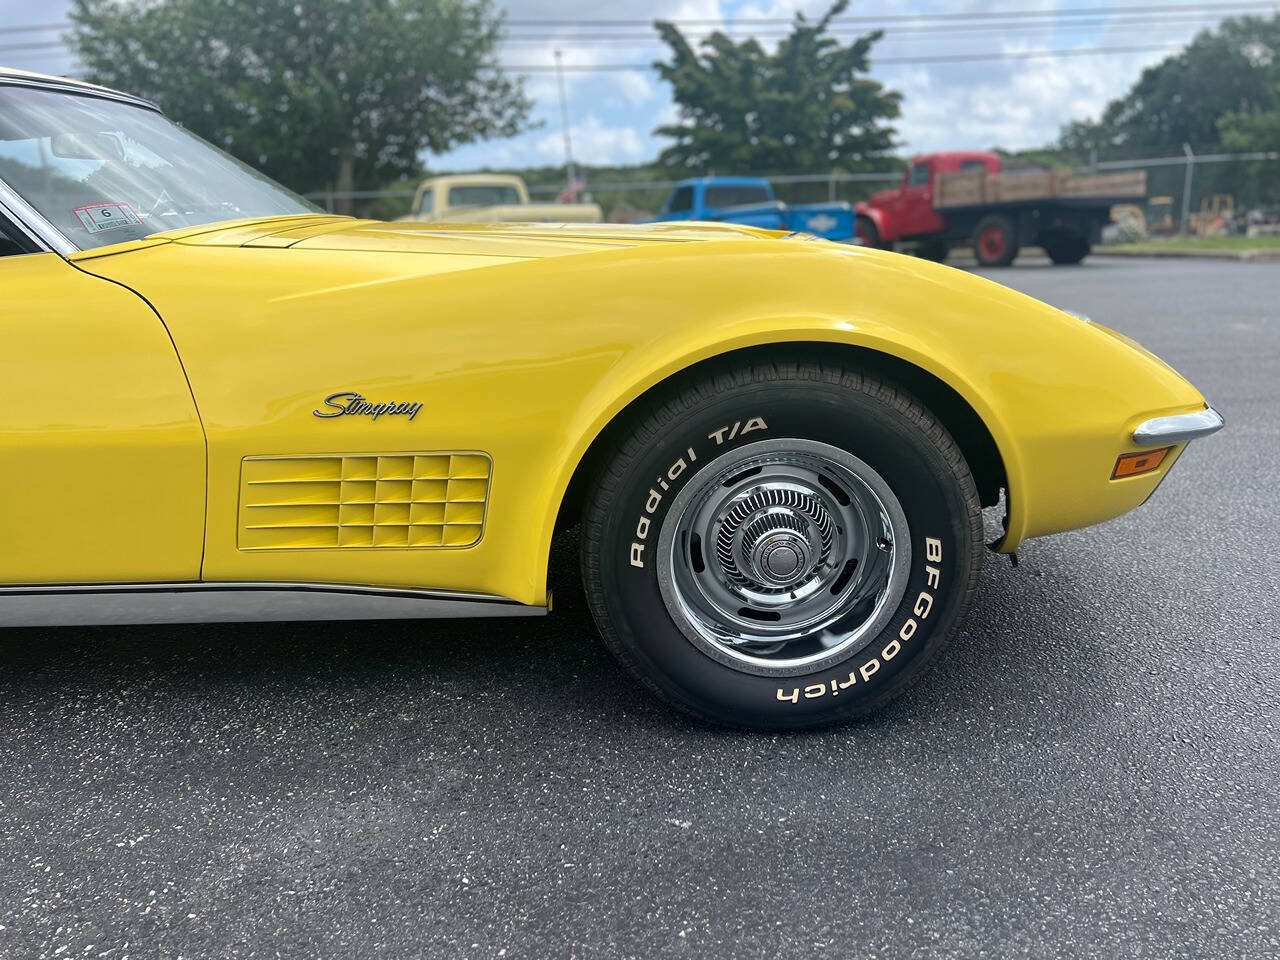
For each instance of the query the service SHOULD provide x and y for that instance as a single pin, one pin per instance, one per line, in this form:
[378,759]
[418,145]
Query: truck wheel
[866,230]
[935,250]
[995,242]
[1066,248]
[781,545]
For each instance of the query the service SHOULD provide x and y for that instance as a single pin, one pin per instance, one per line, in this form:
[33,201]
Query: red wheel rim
[991,242]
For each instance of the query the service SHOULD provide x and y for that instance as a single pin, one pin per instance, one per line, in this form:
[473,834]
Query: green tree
[803,107]
[341,94]
[1257,132]
[1234,69]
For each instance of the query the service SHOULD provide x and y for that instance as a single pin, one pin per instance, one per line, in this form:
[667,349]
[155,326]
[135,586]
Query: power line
[36,27]
[971,15]
[879,61]
[1027,55]
[1144,25]
[35,45]
[640,39]
[1063,14]
[875,61]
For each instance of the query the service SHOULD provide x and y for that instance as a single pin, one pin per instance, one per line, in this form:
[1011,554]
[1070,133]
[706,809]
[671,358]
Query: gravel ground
[1092,771]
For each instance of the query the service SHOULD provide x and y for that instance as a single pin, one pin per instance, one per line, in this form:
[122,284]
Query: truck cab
[747,200]
[750,201]
[909,211]
[491,198]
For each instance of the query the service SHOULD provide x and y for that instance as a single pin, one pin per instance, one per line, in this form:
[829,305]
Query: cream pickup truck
[491,198]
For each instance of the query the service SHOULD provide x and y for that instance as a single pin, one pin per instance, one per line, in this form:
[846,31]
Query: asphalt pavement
[1092,771]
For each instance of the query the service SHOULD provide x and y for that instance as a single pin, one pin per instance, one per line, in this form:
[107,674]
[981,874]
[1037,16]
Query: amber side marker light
[1133,464]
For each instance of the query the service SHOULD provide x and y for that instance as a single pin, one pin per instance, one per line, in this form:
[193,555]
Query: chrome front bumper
[1165,431]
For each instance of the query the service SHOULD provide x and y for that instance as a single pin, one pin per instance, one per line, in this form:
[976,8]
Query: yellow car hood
[508,241]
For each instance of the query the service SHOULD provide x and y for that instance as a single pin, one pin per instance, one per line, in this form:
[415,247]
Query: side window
[919,175]
[681,200]
[13,241]
[973,165]
[426,204]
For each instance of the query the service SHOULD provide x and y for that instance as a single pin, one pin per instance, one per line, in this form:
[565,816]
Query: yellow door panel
[102,457]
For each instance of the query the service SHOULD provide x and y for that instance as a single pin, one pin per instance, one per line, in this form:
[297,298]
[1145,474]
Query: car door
[915,211]
[679,205]
[102,457]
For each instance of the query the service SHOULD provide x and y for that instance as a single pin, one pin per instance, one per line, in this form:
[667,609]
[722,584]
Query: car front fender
[1060,396]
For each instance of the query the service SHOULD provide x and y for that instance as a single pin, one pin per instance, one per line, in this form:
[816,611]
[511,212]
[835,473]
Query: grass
[1233,243]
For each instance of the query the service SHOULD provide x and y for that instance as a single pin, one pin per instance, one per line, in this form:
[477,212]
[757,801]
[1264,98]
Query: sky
[1012,103]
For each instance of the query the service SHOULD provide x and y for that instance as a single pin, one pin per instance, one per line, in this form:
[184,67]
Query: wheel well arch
[878,220]
[964,424]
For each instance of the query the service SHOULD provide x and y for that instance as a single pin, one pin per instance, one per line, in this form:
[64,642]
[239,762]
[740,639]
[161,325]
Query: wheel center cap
[780,558]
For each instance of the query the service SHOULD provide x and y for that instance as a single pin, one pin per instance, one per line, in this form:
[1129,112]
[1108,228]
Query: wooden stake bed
[970,188]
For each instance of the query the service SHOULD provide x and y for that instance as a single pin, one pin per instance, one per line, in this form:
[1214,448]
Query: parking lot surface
[1093,770]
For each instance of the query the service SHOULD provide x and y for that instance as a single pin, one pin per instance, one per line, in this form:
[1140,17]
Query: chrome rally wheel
[780,545]
[783,557]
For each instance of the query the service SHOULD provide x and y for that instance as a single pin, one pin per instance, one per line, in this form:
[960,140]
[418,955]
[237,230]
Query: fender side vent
[363,500]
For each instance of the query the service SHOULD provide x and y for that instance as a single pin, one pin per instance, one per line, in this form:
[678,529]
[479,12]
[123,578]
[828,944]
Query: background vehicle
[961,197]
[491,198]
[750,201]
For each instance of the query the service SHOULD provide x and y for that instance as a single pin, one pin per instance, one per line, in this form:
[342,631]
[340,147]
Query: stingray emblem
[349,403]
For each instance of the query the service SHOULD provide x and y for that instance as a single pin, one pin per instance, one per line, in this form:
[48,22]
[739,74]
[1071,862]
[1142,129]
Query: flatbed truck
[963,197]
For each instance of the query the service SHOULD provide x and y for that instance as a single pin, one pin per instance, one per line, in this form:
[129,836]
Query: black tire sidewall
[880,434]
[1067,251]
[872,238]
[935,251]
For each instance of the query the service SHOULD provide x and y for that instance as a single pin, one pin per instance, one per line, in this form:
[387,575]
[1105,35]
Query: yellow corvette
[221,404]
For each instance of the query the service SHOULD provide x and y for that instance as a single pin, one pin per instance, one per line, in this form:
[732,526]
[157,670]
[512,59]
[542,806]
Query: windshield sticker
[97,217]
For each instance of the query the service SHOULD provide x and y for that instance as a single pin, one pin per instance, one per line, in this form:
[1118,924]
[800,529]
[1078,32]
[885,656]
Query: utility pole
[570,170]
[1186,188]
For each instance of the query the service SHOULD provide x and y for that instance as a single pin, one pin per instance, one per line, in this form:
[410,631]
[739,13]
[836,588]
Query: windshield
[103,172]
[485,195]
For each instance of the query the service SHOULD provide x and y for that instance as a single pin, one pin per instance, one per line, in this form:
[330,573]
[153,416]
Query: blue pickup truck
[750,201]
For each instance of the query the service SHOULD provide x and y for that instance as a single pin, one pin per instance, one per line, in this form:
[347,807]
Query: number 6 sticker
[96,217]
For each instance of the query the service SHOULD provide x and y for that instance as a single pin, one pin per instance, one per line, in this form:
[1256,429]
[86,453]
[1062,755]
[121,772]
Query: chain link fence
[1187,191]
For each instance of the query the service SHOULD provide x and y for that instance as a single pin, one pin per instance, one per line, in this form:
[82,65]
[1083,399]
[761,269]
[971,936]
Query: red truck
[961,197]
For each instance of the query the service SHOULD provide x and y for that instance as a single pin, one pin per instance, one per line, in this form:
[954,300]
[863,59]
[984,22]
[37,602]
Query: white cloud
[1016,104]
[635,87]
[594,143]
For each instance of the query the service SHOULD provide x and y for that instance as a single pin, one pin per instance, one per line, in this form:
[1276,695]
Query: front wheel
[935,250]
[867,231]
[782,546]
